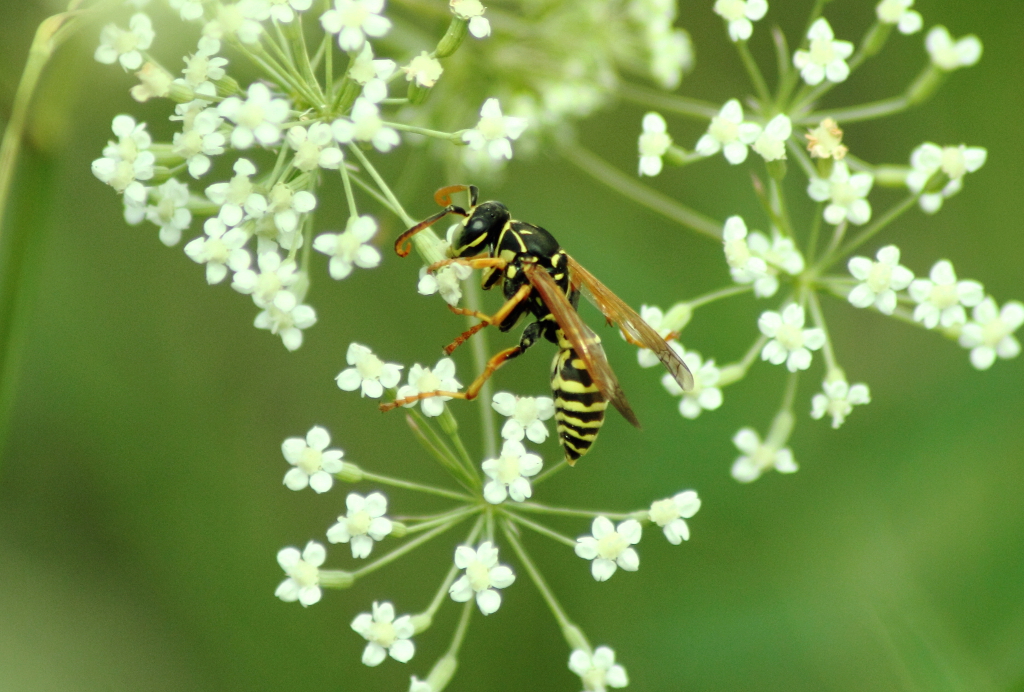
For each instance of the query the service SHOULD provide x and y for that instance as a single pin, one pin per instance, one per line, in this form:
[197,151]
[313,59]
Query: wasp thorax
[481,230]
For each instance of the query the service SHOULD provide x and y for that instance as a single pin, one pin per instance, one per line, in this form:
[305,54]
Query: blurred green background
[141,504]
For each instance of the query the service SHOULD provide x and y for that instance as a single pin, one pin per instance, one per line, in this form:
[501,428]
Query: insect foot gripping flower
[313,462]
[928,159]
[990,332]
[941,298]
[424,380]
[368,373]
[351,248]
[526,415]
[510,473]
[653,143]
[740,14]
[495,131]
[483,577]
[881,280]
[671,515]
[444,281]
[610,547]
[759,457]
[303,582]
[598,671]
[838,400]
[385,635]
[364,523]
[845,193]
[790,342]
[118,45]
[728,133]
[826,57]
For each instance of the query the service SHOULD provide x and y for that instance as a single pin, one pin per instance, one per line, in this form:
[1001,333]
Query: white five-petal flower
[672,512]
[790,342]
[269,286]
[314,147]
[312,462]
[350,248]
[510,473]
[845,193]
[287,323]
[303,582]
[740,14]
[257,119]
[482,578]
[494,132]
[372,74]
[838,399]
[598,671]
[880,279]
[368,373]
[284,10]
[170,212]
[119,45]
[990,332]
[825,57]
[385,635]
[704,396]
[728,133]
[365,125]
[473,12]
[220,249]
[898,12]
[200,139]
[526,415]
[238,197]
[424,380]
[771,144]
[948,54]
[610,547]
[954,161]
[445,281]
[759,457]
[364,523]
[941,299]
[127,161]
[653,143]
[354,21]
[424,69]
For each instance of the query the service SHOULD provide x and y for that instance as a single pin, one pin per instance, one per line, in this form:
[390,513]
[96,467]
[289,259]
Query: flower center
[821,51]
[611,545]
[508,469]
[126,42]
[944,296]
[880,277]
[731,9]
[994,332]
[383,633]
[354,15]
[370,367]
[479,576]
[763,456]
[654,143]
[953,162]
[250,115]
[304,573]
[725,131]
[310,460]
[594,679]
[189,144]
[663,512]
[491,127]
[359,523]
[239,190]
[428,381]
[790,337]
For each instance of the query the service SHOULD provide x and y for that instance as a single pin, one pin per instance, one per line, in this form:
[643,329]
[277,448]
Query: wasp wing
[632,325]
[582,338]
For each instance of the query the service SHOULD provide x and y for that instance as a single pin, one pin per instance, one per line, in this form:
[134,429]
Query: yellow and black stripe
[579,406]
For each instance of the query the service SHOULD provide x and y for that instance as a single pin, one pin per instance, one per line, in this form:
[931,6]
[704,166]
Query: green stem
[819,322]
[393,202]
[418,487]
[438,599]
[754,72]
[480,358]
[436,447]
[868,233]
[535,576]
[399,552]
[563,464]
[541,529]
[455,137]
[702,110]
[567,511]
[349,197]
[601,170]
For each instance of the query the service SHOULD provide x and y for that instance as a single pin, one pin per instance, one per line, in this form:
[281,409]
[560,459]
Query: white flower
[238,198]
[128,160]
[287,323]
[417,685]
[728,133]
[118,45]
[671,53]
[423,380]
[948,54]
[355,20]
[600,671]
[189,10]
[838,400]
[303,582]
[203,68]
[494,131]
[526,416]
[826,141]
[473,12]
[510,473]
[364,523]
[385,635]
[704,396]
[482,578]
[846,193]
[771,144]
[154,82]
[258,118]
[825,57]
[314,147]
[739,14]
[268,287]
[928,159]
[313,463]
[372,74]
[284,10]
[653,143]
[350,248]
[898,12]
[778,255]
[610,547]
[665,325]
[424,69]
[171,212]
[990,332]
[368,373]
[881,280]
[941,298]
[790,342]
[444,281]
[288,205]
[759,457]
[366,126]
[744,266]
[671,515]
[223,247]
[200,140]
[241,19]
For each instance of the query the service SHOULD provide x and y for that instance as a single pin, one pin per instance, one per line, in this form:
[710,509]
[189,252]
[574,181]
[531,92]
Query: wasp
[539,279]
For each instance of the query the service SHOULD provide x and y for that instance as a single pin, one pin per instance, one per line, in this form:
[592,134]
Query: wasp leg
[485,319]
[493,364]
[481,262]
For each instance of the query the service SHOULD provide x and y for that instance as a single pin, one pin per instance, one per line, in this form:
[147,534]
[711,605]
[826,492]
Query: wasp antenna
[403,246]
[443,197]
[474,195]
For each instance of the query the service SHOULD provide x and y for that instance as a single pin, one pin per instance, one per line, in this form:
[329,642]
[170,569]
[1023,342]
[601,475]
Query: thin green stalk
[604,172]
[450,427]
[869,232]
[418,487]
[702,110]
[754,72]
[567,511]
[349,197]
[461,629]
[436,447]
[382,185]
[726,292]
[812,240]
[430,520]
[480,358]
[819,322]
[385,560]
[439,596]
[372,191]
[550,472]
[541,529]
[450,136]
[853,114]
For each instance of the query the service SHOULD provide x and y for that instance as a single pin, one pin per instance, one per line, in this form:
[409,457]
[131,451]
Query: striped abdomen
[579,406]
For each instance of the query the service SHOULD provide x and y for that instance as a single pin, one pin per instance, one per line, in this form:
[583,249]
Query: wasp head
[480,230]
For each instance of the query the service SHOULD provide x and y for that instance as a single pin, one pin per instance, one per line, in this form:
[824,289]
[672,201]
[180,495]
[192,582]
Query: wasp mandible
[539,278]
